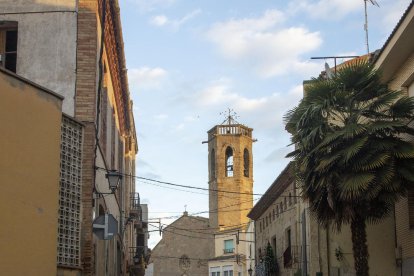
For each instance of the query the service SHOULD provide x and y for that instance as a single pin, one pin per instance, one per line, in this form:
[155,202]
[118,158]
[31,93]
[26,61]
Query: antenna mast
[373,2]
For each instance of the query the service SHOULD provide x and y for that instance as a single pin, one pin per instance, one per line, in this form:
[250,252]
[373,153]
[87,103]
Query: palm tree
[351,154]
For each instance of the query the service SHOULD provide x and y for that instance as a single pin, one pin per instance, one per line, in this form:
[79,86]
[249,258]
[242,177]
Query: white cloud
[175,24]
[325,9]
[159,20]
[265,45]
[145,77]
[264,112]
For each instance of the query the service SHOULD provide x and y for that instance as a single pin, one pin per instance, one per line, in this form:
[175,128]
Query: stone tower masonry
[230,166]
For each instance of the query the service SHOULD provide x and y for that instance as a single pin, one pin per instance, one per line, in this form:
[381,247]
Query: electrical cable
[190,187]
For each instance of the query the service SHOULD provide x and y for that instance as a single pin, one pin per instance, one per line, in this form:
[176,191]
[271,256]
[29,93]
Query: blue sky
[190,60]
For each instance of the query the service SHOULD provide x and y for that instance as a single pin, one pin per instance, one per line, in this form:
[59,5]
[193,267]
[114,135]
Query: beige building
[30,146]
[303,247]
[75,48]
[185,248]
[396,61]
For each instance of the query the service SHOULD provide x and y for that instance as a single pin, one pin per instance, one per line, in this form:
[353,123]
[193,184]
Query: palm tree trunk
[359,246]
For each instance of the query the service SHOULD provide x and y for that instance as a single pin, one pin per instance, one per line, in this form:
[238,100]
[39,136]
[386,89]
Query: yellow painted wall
[29,166]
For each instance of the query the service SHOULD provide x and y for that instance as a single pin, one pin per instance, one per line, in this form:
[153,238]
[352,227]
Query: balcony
[228,250]
[135,211]
[231,129]
[135,207]
[138,260]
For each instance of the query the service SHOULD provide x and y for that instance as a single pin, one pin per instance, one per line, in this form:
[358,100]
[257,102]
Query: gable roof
[398,47]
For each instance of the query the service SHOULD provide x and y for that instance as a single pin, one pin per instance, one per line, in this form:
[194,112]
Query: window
[285,203]
[288,238]
[246,160]
[229,162]
[274,215]
[8,45]
[228,270]
[228,246]
[277,210]
[281,207]
[215,271]
[267,222]
[212,164]
[290,199]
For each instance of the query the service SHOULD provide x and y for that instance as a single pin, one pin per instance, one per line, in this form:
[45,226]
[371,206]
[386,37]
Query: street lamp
[136,259]
[113,178]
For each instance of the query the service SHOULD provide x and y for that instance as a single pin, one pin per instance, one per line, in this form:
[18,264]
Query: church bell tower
[230,168]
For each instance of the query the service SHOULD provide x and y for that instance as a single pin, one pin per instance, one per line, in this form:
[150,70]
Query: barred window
[70,193]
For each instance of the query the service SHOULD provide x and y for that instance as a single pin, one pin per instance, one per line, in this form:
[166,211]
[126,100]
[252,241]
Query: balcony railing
[139,259]
[233,129]
[228,250]
[135,211]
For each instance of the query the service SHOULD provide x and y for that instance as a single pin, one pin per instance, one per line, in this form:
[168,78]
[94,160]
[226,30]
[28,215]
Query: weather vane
[230,116]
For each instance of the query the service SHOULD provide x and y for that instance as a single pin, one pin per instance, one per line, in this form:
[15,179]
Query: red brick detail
[85,111]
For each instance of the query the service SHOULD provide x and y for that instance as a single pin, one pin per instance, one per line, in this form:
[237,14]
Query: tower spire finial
[230,116]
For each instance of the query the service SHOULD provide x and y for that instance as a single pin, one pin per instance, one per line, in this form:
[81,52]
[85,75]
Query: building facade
[185,248]
[30,147]
[301,246]
[396,62]
[75,48]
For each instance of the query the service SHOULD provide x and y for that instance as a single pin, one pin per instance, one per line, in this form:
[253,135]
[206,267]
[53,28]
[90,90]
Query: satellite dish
[328,71]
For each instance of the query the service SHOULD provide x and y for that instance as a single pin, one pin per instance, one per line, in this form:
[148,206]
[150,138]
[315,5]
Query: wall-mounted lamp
[250,270]
[114,178]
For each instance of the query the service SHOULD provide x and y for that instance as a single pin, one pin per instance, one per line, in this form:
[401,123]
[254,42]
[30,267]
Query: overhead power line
[191,187]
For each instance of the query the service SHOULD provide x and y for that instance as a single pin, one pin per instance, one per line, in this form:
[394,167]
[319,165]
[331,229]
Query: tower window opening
[246,163]
[229,162]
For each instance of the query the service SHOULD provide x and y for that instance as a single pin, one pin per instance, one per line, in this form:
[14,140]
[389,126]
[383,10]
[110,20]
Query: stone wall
[188,236]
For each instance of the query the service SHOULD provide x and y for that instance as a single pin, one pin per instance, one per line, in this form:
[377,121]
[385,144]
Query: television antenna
[375,3]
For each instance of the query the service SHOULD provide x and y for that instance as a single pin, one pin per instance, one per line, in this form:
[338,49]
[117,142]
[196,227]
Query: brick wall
[85,111]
